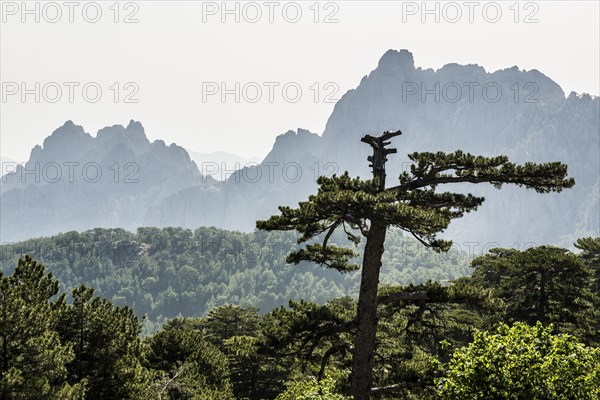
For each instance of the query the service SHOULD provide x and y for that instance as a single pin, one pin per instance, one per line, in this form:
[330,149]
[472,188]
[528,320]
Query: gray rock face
[523,114]
[75,182]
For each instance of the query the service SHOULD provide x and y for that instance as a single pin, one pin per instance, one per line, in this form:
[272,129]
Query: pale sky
[179,52]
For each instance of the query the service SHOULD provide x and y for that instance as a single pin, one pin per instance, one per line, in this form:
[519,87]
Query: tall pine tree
[106,344]
[369,207]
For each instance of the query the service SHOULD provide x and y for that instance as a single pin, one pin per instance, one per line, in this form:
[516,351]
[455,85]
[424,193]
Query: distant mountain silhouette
[75,181]
[523,114]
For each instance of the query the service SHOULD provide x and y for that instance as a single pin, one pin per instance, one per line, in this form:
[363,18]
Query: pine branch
[544,178]
[331,351]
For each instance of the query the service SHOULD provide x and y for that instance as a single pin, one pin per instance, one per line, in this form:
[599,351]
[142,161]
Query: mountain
[220,164]
[540,124]
[523,114]
[75,181]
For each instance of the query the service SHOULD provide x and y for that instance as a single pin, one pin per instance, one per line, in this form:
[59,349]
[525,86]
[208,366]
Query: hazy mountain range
[218,164]
[523,114]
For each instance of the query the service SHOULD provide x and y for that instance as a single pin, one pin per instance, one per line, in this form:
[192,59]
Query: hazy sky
[179,55]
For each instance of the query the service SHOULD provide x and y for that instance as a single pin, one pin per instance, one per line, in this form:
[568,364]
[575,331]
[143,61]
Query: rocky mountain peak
[67,136]
[394,60]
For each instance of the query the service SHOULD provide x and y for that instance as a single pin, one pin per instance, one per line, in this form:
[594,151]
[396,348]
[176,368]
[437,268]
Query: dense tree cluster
[170,272]
[433,340]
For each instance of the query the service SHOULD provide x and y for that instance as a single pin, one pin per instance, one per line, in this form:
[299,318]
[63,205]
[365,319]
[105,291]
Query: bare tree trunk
[364,343]
[366,312]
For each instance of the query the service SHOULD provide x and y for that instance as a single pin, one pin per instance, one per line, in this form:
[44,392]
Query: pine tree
[32,357]
[233,330]
[106,343]
[369,207]
[190,366]
[546,284]
[590,253]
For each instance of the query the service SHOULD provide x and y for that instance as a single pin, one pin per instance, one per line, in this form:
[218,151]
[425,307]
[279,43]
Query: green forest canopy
[433,339]
[167,272]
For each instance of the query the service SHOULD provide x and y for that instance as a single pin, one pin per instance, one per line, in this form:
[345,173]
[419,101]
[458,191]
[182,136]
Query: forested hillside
[167,272]
[434,341]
